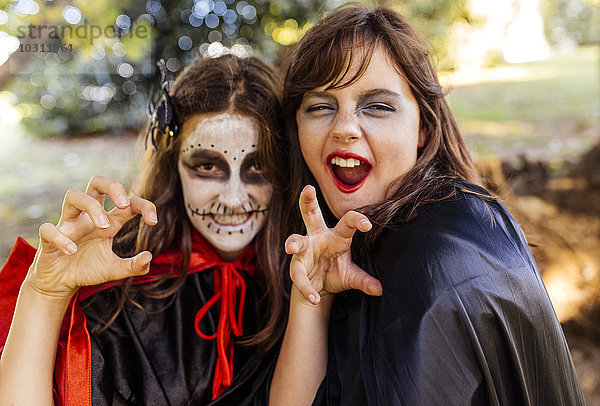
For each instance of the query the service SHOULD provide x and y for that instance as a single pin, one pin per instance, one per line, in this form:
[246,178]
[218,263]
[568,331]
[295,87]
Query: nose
[346,127]
[234,194]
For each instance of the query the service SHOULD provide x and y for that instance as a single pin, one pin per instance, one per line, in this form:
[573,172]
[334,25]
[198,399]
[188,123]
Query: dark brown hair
[324,56]
[228,83]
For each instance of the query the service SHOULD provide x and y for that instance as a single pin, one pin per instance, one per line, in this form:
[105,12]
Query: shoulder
[466,226]
[466,243]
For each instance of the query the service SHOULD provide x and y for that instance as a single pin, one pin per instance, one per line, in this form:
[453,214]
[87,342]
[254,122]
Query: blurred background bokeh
[523,79]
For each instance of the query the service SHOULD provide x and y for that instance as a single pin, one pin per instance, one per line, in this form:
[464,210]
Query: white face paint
[225,195]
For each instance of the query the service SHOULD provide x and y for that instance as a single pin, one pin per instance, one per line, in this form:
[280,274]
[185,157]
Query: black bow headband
[164,117]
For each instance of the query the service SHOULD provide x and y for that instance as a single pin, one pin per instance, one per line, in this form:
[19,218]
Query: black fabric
[464,318]
[155,357]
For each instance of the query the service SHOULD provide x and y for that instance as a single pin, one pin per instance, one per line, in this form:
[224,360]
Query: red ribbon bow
[230,289]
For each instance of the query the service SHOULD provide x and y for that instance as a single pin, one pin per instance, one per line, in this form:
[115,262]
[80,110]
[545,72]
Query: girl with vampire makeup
[174,296]
[437,300]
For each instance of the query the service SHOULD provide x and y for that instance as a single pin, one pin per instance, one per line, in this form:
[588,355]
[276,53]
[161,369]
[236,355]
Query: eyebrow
[250,156]
[315,93]
[361,97]
[378,93]
[205,156]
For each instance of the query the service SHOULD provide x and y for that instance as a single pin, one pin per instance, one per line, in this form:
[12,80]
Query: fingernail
[145,259]
[103,221]
[152,217]
[311,298]
[365,223]
[122,200]
[71,248]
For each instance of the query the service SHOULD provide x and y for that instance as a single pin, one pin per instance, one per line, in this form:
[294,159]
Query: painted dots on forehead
[233,135]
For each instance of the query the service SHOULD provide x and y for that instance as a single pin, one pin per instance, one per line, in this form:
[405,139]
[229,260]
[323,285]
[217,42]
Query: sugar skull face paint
[225,195]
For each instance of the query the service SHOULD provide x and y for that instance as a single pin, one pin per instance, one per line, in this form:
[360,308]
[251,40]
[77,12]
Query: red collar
[203,256]
[230,290]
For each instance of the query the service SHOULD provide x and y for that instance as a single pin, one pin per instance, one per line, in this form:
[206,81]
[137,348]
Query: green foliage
[102,85]
[569,23]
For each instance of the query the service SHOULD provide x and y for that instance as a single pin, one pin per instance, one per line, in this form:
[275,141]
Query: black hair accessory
[163,118]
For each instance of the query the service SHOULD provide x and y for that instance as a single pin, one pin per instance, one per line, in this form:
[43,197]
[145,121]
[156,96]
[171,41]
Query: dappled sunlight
[497,129]
[525,40]
[569,285]
[476,75]
[508,29]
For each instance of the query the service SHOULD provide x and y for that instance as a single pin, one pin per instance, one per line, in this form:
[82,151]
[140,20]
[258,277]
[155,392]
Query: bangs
[340,58]
[330,62]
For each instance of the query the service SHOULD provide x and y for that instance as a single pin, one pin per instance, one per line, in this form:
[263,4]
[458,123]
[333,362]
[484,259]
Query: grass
[549,109]
[35,174]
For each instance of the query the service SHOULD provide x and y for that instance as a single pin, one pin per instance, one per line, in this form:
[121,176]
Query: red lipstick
[346,155]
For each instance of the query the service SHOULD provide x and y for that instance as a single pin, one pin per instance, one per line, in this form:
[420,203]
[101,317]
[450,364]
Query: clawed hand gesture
[78,250]
[322,261]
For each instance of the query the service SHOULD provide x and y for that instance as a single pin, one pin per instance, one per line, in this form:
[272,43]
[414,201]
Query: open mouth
[349,171]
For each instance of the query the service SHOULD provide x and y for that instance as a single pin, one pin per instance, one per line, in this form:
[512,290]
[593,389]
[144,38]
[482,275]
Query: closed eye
[380,107]
[319,107]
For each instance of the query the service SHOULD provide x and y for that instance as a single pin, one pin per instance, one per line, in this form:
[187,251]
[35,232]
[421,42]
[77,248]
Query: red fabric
[230,289]
[72,371]
[11,277]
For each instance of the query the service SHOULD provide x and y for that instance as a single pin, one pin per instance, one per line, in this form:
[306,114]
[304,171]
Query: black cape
[464,317]
[150,355]
[129,363]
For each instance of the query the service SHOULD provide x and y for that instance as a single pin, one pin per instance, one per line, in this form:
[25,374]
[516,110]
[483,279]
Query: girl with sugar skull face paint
[190,308]
[224,192]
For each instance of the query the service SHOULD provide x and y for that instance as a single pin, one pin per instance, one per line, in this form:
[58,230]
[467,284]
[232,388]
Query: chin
[342,205]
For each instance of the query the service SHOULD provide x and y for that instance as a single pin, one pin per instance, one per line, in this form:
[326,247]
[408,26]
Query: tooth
[356,162]
[343,163]
[230,219]
[351,163]
[333,161]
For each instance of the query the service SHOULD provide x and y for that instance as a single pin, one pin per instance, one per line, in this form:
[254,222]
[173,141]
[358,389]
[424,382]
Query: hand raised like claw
[322,261]
[78,250]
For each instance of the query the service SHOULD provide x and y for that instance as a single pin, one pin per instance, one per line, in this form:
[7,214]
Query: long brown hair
[324,56]
[228,83]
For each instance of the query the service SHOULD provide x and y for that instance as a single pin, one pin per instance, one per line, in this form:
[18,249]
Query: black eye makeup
[378,108]
[207,164]
[319,108]
[378,101]
[316,102]
[251,170]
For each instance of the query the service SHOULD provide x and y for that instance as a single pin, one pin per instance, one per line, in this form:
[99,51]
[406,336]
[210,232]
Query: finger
[361,280]
[135,266]
[51,235]
[311,213]
[350,222]
[295,244]
[77,202]
[99,186]
[302,283]
[137,205]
